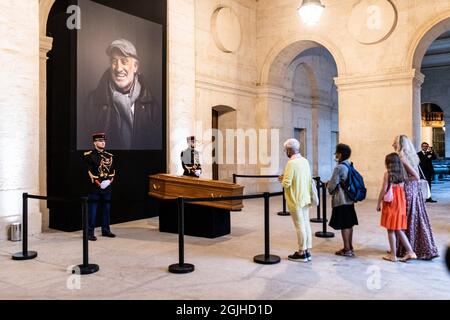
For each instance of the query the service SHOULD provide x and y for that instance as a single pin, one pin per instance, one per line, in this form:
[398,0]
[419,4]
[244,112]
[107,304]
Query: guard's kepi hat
[124,46]
[98,136]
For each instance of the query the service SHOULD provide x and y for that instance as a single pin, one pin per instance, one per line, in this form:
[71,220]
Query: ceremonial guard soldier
[101,172]
[190,159]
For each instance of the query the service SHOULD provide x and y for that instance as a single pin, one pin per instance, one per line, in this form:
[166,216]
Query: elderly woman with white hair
[418,230]
[296,181]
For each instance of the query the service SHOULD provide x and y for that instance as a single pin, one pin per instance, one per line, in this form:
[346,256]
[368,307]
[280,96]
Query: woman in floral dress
[419,230]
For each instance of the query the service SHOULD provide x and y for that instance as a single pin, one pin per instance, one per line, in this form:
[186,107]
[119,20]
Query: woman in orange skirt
[392,204]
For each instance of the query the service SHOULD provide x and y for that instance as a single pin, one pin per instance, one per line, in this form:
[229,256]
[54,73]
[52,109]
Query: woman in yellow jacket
[296,181]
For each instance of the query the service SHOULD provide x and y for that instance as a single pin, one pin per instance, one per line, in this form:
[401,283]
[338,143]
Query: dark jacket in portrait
[100,167]
[102,114]
[426,163]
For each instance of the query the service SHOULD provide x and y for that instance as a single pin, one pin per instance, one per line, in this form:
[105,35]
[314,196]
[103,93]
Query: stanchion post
[181,267]
[447,258]
[85,268]
[284,212]
[234,181]
[319,187]
[25,254]
[266,258]
[324,233]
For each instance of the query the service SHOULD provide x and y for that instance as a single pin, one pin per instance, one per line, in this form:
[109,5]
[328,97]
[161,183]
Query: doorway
[223,119]
[300,135]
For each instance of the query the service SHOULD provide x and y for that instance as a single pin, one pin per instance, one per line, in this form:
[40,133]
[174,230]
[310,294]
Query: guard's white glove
[105,183]
[198,172]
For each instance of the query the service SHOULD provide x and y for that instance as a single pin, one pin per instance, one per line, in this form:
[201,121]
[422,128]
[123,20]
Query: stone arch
[312,80]
[434,104]
[285,51]
[278,76]
[433,118]
[424,36]
[310,75]
[44,10]
[222,109]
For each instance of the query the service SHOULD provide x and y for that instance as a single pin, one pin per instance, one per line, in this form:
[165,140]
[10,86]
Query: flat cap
[124,46]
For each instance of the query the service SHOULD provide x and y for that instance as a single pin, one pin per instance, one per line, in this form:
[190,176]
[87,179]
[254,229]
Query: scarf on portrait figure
[124,103]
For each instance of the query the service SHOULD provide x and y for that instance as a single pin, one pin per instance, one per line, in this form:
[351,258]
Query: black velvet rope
[187,200]
[254,176]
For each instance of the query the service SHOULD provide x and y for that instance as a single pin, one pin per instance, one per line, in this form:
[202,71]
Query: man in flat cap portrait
[122,105]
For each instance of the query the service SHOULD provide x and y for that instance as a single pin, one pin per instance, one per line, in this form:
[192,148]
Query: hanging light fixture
[310,11]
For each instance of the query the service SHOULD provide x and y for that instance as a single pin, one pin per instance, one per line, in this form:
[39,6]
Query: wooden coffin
[166,186]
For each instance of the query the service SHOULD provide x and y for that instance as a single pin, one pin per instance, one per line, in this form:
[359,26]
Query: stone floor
[134,265]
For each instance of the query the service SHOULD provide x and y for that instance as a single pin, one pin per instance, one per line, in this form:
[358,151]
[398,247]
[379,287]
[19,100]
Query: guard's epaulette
[87,153]
[109,154]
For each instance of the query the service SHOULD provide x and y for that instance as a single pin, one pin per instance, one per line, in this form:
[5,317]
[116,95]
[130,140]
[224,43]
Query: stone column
[19,112]
[417,81]
[181,79]
[372,111]
[45,45]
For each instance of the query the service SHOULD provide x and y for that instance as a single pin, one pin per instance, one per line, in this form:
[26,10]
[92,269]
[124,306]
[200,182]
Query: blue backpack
[354,186]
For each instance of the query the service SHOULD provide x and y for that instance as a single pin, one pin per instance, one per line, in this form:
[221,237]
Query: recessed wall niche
[226,29]
[372,21]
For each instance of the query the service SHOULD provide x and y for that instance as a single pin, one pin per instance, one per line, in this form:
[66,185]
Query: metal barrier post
[319,187]
[284,212]
[85,268]
[266,258]
[324,233]
[234,181]
[181,267]
[25,254]
[447,258]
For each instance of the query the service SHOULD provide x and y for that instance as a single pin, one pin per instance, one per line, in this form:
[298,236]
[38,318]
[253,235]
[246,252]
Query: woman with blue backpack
[343,216]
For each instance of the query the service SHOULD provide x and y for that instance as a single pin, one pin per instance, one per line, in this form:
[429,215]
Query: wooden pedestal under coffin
[202,219]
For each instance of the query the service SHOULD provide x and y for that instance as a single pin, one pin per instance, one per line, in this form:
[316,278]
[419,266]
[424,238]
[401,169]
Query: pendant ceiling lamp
[310,11]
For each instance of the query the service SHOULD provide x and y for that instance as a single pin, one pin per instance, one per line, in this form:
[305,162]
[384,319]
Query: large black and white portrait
[119,79]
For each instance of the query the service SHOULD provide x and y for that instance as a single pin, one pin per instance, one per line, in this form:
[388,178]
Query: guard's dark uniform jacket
[426,164]
[190,160]
[100,166]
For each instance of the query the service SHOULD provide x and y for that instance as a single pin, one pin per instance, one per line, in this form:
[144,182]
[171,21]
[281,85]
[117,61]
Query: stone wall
[181,78]
[226,76]
[19,112]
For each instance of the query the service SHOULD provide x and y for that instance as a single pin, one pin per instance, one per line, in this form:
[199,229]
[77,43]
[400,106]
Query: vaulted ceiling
[438,54]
